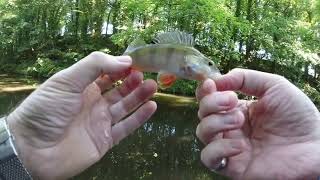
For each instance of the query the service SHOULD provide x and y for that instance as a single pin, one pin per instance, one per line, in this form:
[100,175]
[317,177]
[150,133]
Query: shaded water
[165,148]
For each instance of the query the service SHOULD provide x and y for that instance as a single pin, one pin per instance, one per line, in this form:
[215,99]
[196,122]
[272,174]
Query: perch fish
[172,56]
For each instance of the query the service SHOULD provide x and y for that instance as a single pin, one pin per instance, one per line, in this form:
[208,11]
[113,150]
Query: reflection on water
[165,148]
[8,101]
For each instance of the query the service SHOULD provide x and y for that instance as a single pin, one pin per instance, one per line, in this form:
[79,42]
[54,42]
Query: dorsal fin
[138,42]
[174,37]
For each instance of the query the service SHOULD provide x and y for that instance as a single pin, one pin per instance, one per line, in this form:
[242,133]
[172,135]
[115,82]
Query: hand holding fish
[276,136]
[67,124]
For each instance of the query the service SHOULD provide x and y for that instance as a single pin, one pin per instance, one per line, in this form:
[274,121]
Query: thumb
[250,82]
[91,67]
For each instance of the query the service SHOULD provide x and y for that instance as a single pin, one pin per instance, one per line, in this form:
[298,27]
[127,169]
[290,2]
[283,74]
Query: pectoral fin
[166,80]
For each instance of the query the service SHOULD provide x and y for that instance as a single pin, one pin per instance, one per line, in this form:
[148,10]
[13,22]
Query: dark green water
[165,148]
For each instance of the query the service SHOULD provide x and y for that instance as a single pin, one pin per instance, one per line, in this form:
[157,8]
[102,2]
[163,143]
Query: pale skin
[68,124]
[276,136]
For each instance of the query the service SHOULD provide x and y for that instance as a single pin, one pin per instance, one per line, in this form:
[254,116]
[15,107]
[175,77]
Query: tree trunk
[108,19]
[306,71]
[274,66]
[115,22]
[249,41]
[44,24]
[237,14]
[315,71]
[77,14]
[169,15]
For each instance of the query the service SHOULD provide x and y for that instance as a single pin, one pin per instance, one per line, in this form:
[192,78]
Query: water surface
[165,148]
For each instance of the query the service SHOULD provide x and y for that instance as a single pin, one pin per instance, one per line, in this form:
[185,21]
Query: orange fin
[166,80]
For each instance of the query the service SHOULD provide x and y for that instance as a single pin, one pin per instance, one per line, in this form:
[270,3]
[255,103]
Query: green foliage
[312,93]
[277,36]
[44,67]
[52,62]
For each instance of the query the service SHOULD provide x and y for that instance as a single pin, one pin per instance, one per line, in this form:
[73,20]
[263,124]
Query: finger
[250,82]
[91,67]
[207,87]
[131,83]
[100,127]
[217,102]
[214,124]
[213,153]
[130,124]
[104,82]
[133,100]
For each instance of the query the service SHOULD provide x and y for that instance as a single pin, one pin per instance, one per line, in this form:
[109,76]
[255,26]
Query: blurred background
[39,38]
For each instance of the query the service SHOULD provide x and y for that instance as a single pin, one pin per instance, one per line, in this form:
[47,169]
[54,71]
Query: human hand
[66,125]
[276,136]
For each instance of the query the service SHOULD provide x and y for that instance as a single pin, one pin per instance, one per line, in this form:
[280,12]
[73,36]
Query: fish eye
[210,63]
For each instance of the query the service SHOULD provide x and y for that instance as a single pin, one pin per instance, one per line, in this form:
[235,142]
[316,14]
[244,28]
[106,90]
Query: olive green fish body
[172,56]
[161,57]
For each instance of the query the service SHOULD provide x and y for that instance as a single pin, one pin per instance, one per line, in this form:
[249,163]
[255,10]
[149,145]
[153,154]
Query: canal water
[165,148]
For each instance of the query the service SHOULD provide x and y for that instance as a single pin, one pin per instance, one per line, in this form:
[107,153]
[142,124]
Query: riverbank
[14,84]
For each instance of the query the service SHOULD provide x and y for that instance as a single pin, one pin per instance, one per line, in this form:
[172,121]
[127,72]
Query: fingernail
[124,59]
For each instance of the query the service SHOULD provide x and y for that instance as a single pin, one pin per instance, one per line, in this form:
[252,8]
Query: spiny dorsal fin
[138,42]
[175,37]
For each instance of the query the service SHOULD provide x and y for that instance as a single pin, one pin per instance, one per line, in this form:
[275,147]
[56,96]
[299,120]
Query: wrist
[11,166]
[35,161]
[18,143]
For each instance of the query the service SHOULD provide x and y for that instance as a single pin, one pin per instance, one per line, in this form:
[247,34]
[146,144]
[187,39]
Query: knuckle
[95,58]
[207,126]
[237,71]
[208,129]
[204,157]
[203,132]
[233,120]
[96,55]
